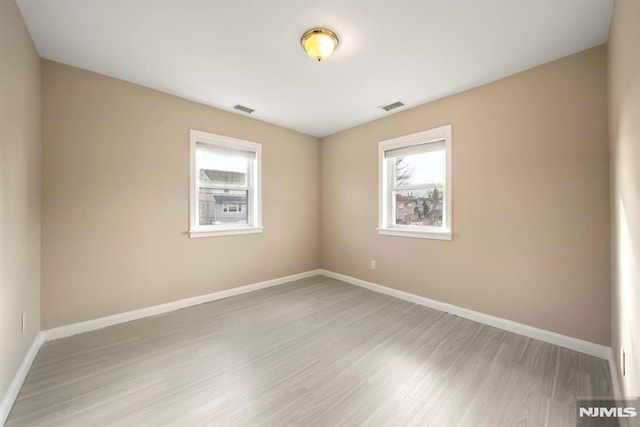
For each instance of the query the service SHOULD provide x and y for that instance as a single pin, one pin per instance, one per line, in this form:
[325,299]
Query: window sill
[224,232]
[438,235]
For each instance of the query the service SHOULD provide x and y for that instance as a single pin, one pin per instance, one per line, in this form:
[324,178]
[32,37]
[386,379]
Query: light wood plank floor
[313,352]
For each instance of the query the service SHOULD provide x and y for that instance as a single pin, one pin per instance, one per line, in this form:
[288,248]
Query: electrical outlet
[24,322]
[372,264]
[623,363]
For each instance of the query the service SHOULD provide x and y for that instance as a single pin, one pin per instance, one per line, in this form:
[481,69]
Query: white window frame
[386,222]
[254,198]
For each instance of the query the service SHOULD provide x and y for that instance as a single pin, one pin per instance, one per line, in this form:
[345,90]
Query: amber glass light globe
[319,43]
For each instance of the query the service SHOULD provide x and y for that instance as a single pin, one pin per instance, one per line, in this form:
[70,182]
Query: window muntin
[225,185]
[415,185]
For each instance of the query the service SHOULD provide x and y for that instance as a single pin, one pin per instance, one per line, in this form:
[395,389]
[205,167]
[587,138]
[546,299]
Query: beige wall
[20,102]
[530,201]
[530,217]
[624,131]
[115,200]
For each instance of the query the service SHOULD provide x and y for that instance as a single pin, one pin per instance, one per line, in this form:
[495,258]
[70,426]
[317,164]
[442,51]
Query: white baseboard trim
[572,343]
[103,322]
[615,379]
[14,387]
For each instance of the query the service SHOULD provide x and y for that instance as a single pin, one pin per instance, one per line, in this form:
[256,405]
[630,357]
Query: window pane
[214,177]
[223,206]
[221,166]
[420,169]
[419,207]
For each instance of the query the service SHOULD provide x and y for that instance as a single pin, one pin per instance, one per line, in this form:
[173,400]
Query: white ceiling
[227,52]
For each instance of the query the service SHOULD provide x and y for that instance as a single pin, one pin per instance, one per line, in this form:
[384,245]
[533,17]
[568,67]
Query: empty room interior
[319,213]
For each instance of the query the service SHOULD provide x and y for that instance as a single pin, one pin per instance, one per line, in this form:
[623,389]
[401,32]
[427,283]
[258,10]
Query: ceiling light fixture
[319,43]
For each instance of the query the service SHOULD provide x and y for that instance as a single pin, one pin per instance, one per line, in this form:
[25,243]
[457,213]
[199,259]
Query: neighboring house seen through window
[225,185]
[415,185]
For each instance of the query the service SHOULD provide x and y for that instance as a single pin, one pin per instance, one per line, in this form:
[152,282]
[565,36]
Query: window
[225,185]
[233,207]
[415,185]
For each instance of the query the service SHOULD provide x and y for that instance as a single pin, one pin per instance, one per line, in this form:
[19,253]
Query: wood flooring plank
[314,352]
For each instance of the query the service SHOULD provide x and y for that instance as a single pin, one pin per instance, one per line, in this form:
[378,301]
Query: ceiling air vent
[243,109]
[393,106]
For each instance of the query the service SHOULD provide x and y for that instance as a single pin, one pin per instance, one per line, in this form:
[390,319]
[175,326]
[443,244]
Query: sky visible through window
[221,162]
[426,168]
